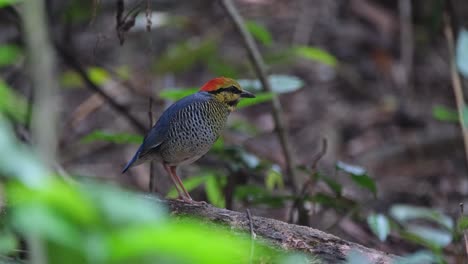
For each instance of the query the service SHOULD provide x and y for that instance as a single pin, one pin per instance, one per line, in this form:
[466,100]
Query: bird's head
[226,90]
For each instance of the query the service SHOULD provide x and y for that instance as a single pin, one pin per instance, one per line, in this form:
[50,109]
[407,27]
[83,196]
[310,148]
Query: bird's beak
[246,94]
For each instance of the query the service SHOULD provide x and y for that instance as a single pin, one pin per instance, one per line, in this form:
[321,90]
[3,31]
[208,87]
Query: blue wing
[158,133]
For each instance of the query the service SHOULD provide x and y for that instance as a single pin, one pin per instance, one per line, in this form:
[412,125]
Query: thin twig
[456,82]
[260,68]
[152,179]
[73,63]
[465,237]
[303,193]
[252,235]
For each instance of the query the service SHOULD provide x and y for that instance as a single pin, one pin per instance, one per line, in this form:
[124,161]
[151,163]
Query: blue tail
[130,163]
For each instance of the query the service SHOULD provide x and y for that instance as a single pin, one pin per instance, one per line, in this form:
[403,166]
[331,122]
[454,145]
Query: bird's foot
[191,201]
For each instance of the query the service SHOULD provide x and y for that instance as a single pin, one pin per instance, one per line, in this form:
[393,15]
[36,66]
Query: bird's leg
[173,172]
[167,168]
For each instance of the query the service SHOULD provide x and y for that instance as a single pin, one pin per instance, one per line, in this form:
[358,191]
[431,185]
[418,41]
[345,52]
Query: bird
[188,128]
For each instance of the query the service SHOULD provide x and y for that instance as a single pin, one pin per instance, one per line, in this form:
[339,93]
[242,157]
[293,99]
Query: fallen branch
[328,248]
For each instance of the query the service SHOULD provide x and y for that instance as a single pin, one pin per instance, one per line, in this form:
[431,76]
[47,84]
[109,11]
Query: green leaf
[405,213]
[379,225]
[214,191]
[434,236]
[357,257]
[4,3]
[443,113]
[12,104]
[315,54]
[422,256]
[462,223]
[259,32]
[189,183]
[274,178]
[9,54]
[465,116]
[259,98]
[98,75]
[8,243]
[334,185]
[176,94]
[116,138]
[279,83]
[461,55]
[358,175]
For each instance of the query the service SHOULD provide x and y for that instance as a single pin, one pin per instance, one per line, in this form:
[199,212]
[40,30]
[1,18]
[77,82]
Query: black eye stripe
[231,89]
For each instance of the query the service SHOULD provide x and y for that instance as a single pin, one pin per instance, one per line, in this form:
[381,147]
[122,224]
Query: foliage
[88,222]
[12,104]
[259,32]
[116,138]
[9,54]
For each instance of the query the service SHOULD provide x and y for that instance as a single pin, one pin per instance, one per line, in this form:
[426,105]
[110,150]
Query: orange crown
[217,83]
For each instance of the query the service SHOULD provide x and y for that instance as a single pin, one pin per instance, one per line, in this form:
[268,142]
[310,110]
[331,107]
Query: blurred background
[366,94]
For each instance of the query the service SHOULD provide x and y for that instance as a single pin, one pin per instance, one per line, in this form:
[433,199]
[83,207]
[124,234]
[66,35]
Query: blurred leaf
[437,237]
[4,3]
[462,52]
[30,172]
[274,178]
[365,181]
[220,67]
[8,243]
[123,72]
[405,213]
[12,104]
[379,225]
[123,207]
[279,83]
[214,191]
[77,12]
[259,98]
[465,116]
[443,113]
[218,145]
[190,184]
[356,257]
[462,223]
[334,185]
[177,94]
[249,159]
[315,54]
[116,138]
[331,201]
[259,32]
[351,169]
[358,175]
[418,257]
[182,56]
[9,54]
[298,258]
[97,75]
[185,242]
[258,195]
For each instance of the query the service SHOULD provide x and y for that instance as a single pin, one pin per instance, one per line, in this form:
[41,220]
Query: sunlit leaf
[4,3]
[462,52]
[12,104]
[97,75]
[315,54]
[259,32]
[379,225]
[404,213]
[274,178]
[279,83]
[116,138]
[190,184]
[9,54]
[443,113]
[351,169]
[214,191]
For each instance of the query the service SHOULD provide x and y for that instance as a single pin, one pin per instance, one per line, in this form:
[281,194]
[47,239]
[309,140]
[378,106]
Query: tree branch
[328,248]
[261,71]
[75,65]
